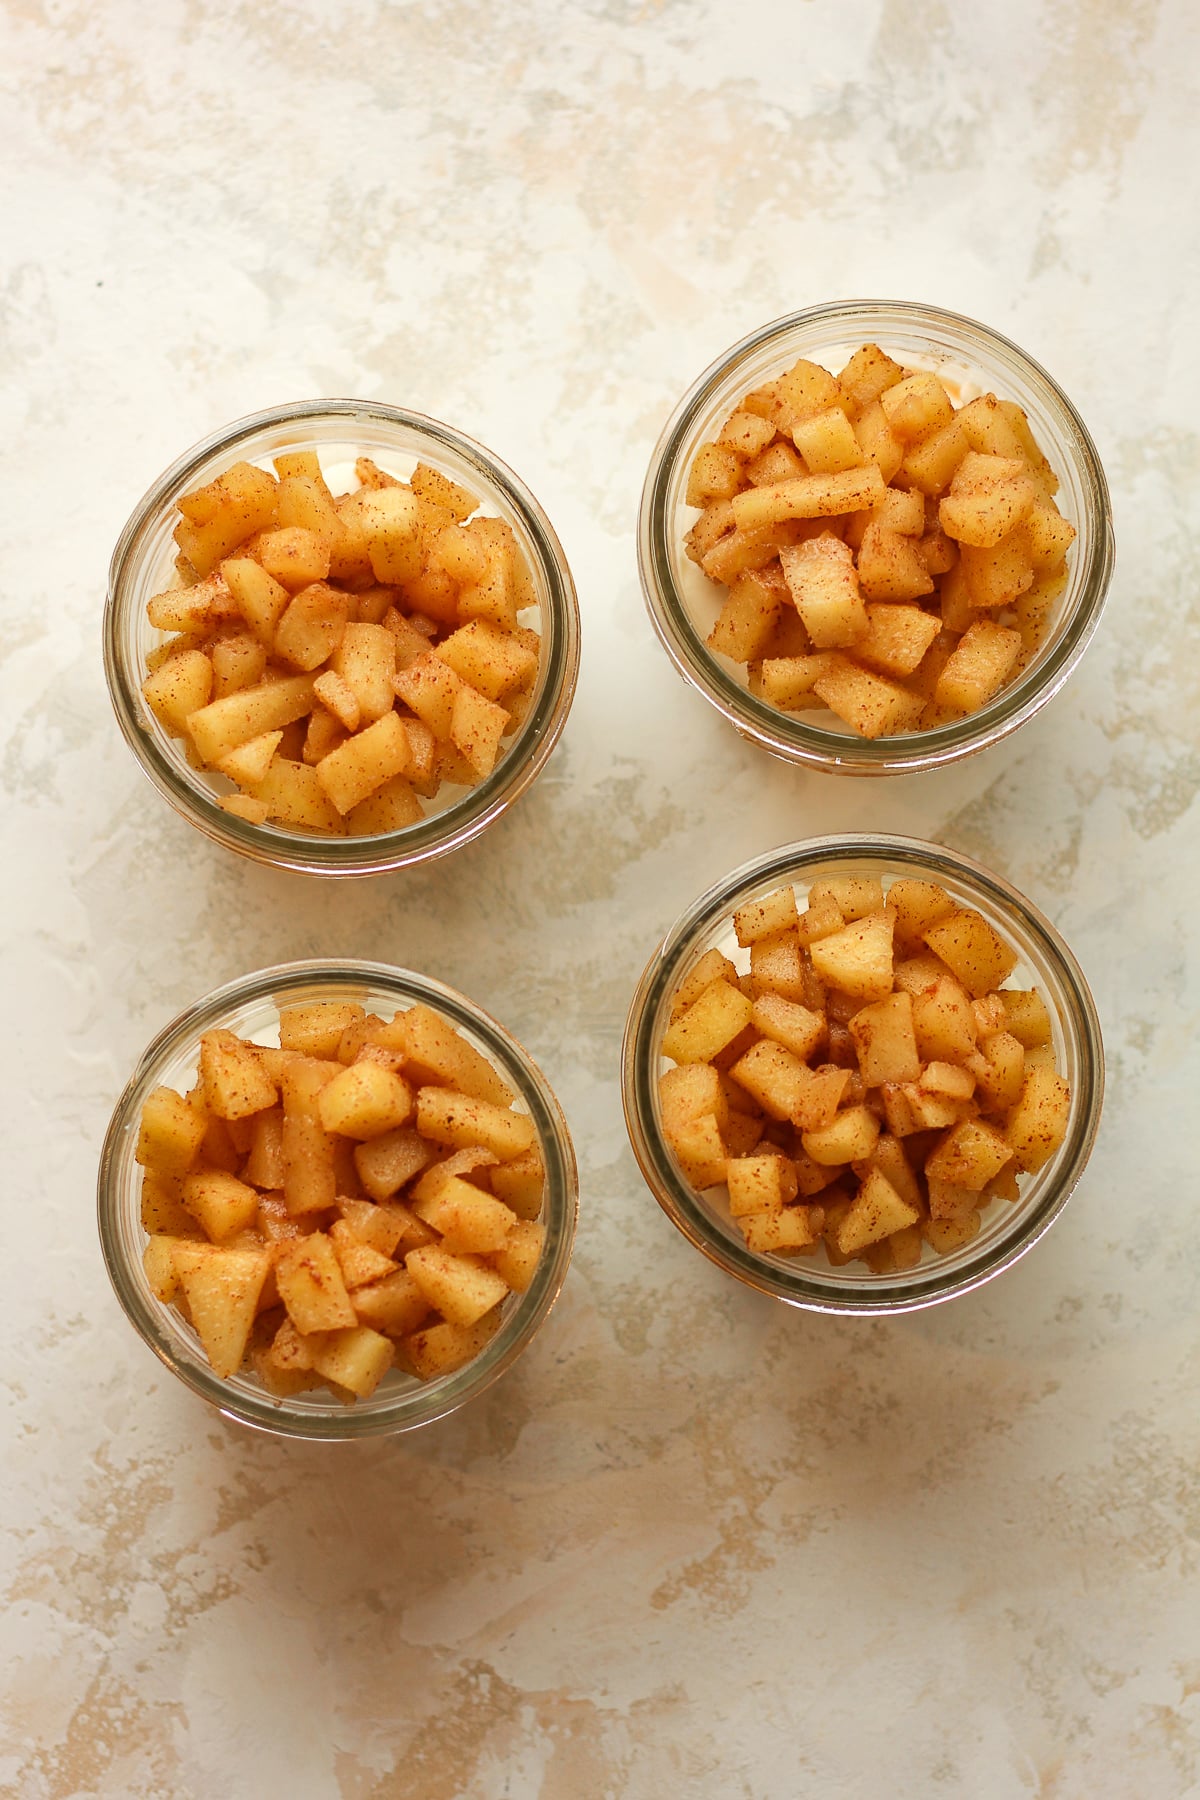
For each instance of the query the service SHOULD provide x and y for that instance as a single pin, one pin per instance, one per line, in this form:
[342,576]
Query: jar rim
[790,736]
[867,1295]
[239,1397]
[438,833]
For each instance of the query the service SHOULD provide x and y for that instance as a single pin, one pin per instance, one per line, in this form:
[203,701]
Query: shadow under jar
[1008,1229]
[250,1008]
[683,603]
[339,431]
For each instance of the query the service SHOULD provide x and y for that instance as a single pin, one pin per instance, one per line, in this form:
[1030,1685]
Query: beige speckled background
[695,1545]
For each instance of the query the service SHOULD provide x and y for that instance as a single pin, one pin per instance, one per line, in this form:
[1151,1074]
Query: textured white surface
[694,1544]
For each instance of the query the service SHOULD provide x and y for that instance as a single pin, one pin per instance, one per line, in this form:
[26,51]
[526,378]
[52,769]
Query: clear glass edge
[305,853]
[416,1406]
[806,1291]
[818,747]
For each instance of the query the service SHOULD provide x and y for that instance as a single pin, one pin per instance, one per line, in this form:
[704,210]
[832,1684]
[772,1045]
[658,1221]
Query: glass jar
[683,603]
[250,1007]
[1008,1229]
[143,564]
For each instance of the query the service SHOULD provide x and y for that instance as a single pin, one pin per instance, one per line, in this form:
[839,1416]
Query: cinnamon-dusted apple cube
[338,699]
[440,1349]
[232,1075]
[809,497]
[885,1041]
[1048,536]
[194,610]
[491,660]
[779,462]
[392,807]
[222,1288]
[476,728]
[309,1182]
[969,1155]
[974,950]
[916,406]
[356,1358]
[777,966]
[220,1202]
[517,1259]
[945,1235]
[889,1159]
[364,762]
[824,587]
[461,1120]
[688,1091]
[762,918]
[850,1137]
[1026,1017]
[790,682]
[521,1183]
[988,426]
[223,514]
[916,905]
[715,474]
[248,765]
[799,1029]
[364,1101]
[701,1150]
[876,1211]
[390,520]
[773,1077]
[293,557]
[879,442]
[394,1305]
[944,1021]
[158,1263]
[854,895]
[162,1210]
[745,434]
[437,1054]
[989,496]
[462,1288]
[711,966]
[311,1286]
[312,627]
[897,638]
[950,1200]
[920,1109]
[360,1263]
[857,959]
[386,1163]
[929,465]
[890,566]
[469,1221]
[169,1134]
[178,689]
[365,660]
[998,1069]
[315,1027]
[865,377]
[1038,1122]
[293,796]
[953,1080]
[820,919]
[827,442]
[747,618]
[778,1233]
[382,1228]
[429,687]
[260,599]
[759,1184]
[223,725]
[714,1020]
[869,704]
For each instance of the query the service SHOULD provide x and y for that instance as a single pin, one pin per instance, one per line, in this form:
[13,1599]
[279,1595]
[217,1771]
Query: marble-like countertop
[694,1544]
